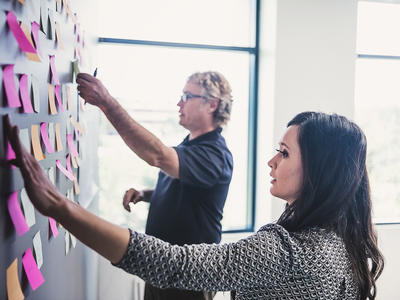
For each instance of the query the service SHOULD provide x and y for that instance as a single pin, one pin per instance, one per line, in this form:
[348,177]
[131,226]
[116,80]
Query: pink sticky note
[9,85]
[64,171]
[16,214]
[53,227]
[32,271]
[53,70]
[25,94]
[19,35]
[71,145]
[10,152]
[45,137]
[58,97]
[35,33]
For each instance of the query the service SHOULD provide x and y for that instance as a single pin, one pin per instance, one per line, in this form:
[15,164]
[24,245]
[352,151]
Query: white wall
[307,62]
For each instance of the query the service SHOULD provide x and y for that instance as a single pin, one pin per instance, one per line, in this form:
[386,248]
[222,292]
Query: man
[187,204]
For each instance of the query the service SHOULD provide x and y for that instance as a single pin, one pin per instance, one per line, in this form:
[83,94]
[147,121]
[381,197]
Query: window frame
[253,99]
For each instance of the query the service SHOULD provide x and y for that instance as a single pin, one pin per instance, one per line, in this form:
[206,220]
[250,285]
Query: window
[377,102]
[146,54]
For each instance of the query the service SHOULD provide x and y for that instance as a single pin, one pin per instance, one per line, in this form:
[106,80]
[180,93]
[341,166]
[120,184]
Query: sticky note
[29,210]
[67,242]
[59,145]
[73,161]
[50,173]
[76,185]
[25,94]
[44,17]
[22,2]
[24,138]
[52,27]
[14,291]
[73,240]
[16,214]
[45,137]
[68,92]
[71,145]
[53,70]
[9,85]
[37,149]
[52,103]
[69,169]
[52,135]
[32,271]
[75,69]
[10,152]
[35,32]
[35,93]
[58,36]
[19,35]
[27,32]
[77,125]
[69,175]
[37,247]
[53,227]
[58,97]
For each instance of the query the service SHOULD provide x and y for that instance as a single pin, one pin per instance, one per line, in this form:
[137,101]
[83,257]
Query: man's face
[194,113]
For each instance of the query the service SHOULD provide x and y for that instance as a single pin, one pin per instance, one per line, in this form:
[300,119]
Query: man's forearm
[145,144]
[107,239]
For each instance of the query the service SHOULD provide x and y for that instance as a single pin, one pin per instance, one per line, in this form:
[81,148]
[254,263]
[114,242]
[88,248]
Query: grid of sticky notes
[45,140]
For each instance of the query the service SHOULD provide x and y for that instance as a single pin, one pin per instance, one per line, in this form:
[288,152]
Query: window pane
[378,28]
[148,82]
[378,114]
[222,22]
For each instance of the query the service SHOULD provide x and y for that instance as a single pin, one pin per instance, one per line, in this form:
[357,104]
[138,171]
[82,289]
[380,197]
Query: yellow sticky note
[37,149]
[52,102]
[58,36]
[69,105]
[27,32]
[76,185]
[59,145]
[77,125]
[14,291]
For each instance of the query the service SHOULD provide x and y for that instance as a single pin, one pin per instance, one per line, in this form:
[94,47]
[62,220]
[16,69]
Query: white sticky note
[67,243]
[29,210]
[73,240]
[37,246]
[24,138]
[35,93]
[50,173]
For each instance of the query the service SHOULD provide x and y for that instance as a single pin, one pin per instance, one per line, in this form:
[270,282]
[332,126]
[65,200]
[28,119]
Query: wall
[72,275]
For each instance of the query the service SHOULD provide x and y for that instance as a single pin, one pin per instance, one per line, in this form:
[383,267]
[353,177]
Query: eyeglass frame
[187,96]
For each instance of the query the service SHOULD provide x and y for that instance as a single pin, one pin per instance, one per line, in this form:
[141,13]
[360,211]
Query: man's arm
[141,141]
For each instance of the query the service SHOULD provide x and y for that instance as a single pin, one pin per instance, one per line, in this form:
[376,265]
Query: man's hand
[41,191]
[133,196]
[92,90]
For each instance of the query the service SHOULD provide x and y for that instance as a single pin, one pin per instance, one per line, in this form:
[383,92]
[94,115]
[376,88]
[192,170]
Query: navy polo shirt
[189,210]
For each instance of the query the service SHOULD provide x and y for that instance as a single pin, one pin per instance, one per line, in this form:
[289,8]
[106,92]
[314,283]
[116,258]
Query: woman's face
[286,167]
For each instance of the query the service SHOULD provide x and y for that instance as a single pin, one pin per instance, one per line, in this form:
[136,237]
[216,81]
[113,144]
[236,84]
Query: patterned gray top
[271,264]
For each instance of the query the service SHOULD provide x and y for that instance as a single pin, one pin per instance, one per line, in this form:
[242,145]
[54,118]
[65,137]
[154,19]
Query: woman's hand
[42,193]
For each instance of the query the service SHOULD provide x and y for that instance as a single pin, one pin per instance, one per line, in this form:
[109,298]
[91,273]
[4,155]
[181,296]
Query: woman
[322,247]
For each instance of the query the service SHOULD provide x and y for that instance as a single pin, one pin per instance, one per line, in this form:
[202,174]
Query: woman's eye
[284,153]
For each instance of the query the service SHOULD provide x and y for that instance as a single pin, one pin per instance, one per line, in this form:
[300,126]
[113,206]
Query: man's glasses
[186,97]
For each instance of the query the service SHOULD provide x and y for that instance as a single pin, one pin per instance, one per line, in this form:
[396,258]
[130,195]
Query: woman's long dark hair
[335,192]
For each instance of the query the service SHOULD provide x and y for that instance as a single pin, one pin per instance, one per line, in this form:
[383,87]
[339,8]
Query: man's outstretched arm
[145,144]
